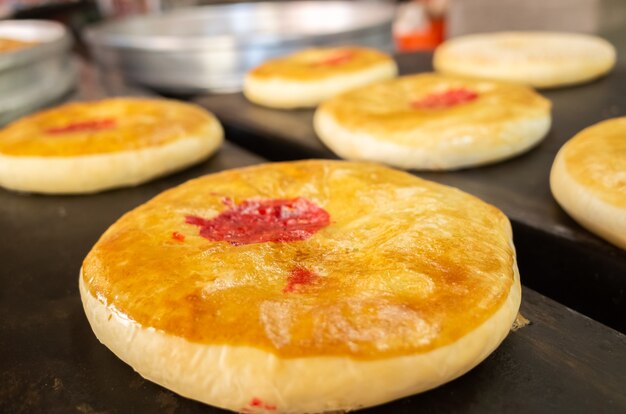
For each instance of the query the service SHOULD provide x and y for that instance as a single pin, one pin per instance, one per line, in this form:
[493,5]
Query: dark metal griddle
[592,281]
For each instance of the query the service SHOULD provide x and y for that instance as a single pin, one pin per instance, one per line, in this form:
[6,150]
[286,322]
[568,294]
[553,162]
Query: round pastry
[539,59]
[588,179]
[303,287]
[433,122]
[308,77]
[92,146]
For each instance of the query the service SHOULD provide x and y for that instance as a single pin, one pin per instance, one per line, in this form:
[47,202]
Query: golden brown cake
[433,122]
[92,146]
[539,59]
[588,179]
[303,287]
[308,77]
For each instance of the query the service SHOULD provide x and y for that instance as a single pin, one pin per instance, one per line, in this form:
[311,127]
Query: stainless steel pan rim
[210,48]
[145,32]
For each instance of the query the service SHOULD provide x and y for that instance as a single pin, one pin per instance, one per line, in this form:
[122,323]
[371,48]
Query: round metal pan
[46,92]
[210,48]
[33,76]
[50,39]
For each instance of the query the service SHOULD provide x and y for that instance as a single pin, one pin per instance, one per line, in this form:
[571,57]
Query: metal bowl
[51,39]
[48,91]
[32,76]
[210,48]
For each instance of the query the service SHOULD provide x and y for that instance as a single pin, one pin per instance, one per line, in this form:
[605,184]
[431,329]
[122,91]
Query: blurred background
[418,24]
[184,48]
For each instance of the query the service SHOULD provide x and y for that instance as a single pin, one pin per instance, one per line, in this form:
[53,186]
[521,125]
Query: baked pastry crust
[92,146]
[588,179]
[409,122]
[413,284]
[538,59]
[308,77]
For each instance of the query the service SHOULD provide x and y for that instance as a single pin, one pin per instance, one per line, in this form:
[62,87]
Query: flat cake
[303,287]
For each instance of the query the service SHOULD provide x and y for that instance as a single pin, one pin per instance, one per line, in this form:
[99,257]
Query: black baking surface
[519,186]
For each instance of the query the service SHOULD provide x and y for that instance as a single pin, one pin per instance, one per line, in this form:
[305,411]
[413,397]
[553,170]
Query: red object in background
[420,25]
[427,38]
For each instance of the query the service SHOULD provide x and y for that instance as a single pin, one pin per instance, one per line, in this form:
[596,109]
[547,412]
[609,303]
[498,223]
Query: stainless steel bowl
[50,39]
[39,95]
[210,48]
[33,76]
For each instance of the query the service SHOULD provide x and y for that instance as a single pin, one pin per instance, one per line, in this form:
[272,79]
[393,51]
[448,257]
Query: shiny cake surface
[106,126]
[596,159]
[434,103]
[318,63]
[388,264]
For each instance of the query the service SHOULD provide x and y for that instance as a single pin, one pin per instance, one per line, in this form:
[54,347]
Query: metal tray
[595,277]
[210,48]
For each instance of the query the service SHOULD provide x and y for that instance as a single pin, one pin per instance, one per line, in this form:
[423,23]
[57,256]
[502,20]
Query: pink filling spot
[336,59]
[298,277]
[446,99]
[258,403]
[178,236]
[84,126]
[260,221]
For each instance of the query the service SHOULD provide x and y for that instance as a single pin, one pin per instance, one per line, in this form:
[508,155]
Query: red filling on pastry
[178,236]
[299,276]
[259,221]
[84,126]
[446,99]
[336,59]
